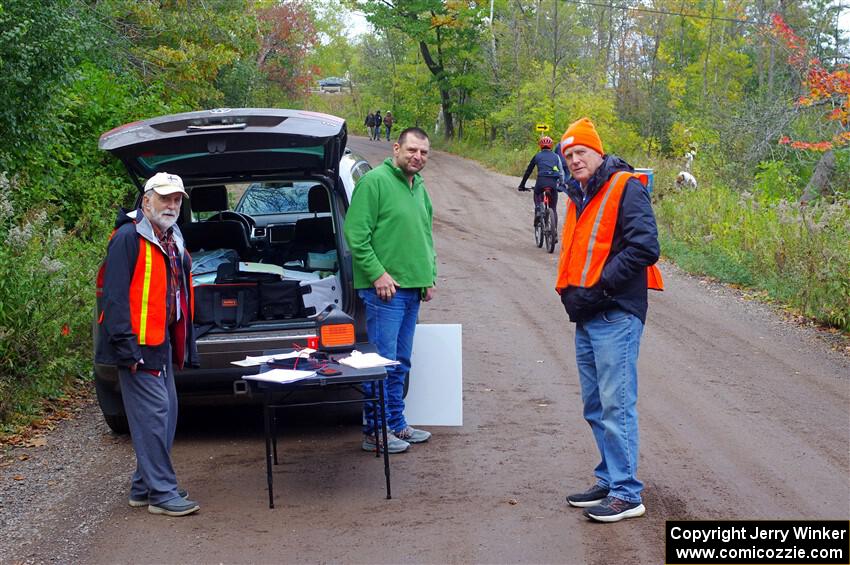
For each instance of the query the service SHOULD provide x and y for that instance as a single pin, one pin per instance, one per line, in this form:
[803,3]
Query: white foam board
[435,394]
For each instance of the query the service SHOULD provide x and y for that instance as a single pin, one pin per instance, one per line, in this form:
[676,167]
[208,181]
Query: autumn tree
[39,47]
[287,32]
[825,91]
[448,33]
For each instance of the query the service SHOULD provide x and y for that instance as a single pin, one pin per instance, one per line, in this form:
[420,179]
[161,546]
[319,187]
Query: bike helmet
[545,142]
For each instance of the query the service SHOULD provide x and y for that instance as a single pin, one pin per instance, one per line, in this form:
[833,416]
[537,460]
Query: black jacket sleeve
[635,247]
[528,170]
[120,261]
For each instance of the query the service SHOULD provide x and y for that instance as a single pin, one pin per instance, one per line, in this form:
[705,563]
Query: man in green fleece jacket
[388,229]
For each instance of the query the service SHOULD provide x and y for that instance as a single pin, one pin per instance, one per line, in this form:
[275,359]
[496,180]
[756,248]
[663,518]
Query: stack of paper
[280,376]
[246,267]
[359,360]
[259,360]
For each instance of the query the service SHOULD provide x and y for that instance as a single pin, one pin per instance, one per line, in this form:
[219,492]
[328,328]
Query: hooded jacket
[634,247]
[117,343]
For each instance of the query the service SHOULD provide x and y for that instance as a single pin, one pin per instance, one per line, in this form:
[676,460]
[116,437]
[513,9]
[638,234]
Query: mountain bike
[545,221]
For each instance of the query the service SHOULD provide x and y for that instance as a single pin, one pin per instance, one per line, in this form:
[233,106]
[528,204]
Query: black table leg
[384,431]
[274,436]
[267,413]
[375,422]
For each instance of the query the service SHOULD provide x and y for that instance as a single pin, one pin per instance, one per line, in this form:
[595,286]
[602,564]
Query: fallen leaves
[29,433]
[39,441]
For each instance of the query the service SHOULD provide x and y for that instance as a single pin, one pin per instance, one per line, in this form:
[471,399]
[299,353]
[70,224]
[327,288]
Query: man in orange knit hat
[608,255]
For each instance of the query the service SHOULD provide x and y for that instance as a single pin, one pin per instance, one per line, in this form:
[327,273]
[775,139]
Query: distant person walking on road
[369,122]
[145,325]
[388,123]
[376,134]
[389,230]
[609,250]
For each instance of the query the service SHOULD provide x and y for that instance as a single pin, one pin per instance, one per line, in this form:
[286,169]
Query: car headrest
[209,198]
[317,199]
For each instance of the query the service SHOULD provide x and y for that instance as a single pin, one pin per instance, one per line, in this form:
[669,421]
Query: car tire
[112,408]
[117,423]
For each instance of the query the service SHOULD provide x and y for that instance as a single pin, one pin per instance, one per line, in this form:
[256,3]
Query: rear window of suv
[267,198]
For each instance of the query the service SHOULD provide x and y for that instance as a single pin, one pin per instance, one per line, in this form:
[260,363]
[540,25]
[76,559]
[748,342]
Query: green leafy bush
[775,180]
[798,254]
[46,306]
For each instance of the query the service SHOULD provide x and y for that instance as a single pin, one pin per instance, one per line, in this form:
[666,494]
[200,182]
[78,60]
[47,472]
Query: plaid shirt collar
[166,241]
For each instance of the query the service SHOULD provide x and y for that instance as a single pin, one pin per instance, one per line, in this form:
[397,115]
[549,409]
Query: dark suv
[282,166]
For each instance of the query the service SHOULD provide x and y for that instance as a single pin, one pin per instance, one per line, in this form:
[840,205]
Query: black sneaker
[614,509]
[591,497]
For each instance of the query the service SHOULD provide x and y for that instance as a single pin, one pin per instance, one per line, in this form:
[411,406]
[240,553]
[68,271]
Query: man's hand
[385,286]
[429,294]
[133,368]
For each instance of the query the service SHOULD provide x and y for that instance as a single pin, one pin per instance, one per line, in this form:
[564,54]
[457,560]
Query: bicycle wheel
[550,230]
[538,226]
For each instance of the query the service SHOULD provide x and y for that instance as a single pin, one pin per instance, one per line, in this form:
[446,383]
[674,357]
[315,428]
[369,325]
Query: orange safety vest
[148,294]
[586,241]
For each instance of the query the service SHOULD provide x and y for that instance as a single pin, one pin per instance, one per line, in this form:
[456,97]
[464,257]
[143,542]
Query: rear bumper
[217,381]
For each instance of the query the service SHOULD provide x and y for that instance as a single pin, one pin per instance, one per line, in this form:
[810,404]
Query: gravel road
[743,415]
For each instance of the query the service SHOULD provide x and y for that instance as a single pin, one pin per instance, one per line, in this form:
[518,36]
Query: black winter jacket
[116,343]
[633,249]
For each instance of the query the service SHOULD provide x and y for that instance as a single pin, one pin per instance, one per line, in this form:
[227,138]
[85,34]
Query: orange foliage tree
[822,87]
[287,32]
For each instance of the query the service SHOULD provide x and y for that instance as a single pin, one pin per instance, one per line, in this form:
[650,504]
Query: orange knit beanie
[582,132]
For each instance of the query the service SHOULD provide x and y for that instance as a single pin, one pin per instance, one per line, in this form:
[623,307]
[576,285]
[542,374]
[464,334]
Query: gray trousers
[151,406]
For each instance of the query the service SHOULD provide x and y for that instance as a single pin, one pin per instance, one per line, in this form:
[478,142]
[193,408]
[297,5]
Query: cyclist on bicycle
[550,174]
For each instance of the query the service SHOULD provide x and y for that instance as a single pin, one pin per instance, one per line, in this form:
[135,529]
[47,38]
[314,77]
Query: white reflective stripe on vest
[591,244]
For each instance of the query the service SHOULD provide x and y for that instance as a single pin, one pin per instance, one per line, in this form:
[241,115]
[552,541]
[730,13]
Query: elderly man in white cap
[145,325]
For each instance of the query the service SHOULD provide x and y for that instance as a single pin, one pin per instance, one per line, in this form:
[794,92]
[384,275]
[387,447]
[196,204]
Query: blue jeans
[388,131]
[390,326]
[606,354]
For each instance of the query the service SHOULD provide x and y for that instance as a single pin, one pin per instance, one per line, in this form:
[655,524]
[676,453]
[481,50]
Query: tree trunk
[819,183]
[707,52]
[650,129]
[445,97]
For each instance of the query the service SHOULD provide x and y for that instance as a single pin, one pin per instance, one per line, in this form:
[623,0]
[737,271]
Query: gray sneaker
[139,502]
[175,507]
[412,435]
[394,445]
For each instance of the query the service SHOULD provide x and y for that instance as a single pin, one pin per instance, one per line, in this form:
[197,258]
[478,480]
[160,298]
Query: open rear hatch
[236,145]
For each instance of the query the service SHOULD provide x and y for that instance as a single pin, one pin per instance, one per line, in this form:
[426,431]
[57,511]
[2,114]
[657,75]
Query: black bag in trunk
[227,305]
[280,299]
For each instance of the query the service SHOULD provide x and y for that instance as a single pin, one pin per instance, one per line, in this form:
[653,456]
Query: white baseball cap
[165,184]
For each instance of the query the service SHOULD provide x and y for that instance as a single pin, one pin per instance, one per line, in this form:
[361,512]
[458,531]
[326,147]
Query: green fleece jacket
[388,229]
